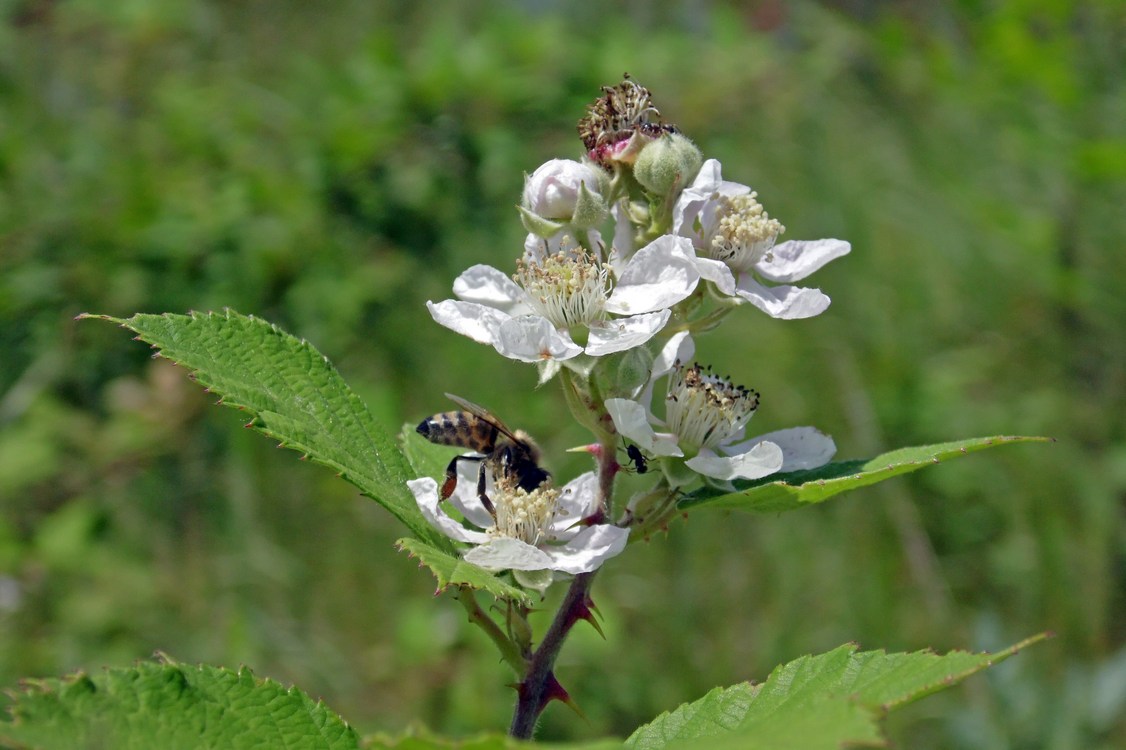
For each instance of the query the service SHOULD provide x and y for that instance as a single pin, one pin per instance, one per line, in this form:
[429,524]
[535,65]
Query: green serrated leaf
[780,492]
[171,706]
[818,702]
[293,394]
[451,570]
[424,740]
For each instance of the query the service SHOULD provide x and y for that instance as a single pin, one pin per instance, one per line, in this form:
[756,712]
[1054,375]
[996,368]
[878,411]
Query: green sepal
[590,209]
[538,225]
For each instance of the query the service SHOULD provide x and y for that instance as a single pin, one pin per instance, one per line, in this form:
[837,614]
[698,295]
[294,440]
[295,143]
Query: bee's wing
[482,413]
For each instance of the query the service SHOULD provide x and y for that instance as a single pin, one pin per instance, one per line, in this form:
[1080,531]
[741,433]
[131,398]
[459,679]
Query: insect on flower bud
[620,124]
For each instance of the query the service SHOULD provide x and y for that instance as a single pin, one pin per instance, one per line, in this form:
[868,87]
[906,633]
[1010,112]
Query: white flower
[531,318]
[553,190]
[538,530]
[734,238]
[706,415]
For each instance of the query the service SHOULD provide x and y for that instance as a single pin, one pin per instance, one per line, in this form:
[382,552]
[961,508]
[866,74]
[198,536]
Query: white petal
[762,459]
[535,248]
[478,322]
[717,272]
[620,334]
[709,175]
[593,546]
[657,276]
[631,420]
[696,211]
[802,447]
[489,286]
[783,302]
[796,259]
[425,491]
[623,243]
[679,348]
[504,553]
[577,500]
[693,198]
[532,338]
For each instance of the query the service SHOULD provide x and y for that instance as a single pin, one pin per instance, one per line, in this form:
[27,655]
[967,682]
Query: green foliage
[815,702]
[293,394]
[172,706]
[800,488]
[451,570]
[818,702]
[428,741]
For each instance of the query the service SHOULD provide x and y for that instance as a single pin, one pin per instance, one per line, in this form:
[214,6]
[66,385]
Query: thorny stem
[533,694]
[539,685]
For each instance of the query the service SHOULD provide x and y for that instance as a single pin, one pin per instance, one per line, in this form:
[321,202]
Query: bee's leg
[451,475]
[485,501]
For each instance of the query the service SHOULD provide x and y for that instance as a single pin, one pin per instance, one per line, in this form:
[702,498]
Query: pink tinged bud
[553,191]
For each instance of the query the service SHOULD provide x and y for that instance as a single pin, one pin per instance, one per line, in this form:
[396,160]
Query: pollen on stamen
[744,232]
[524,515]
[568,288]
[706,410]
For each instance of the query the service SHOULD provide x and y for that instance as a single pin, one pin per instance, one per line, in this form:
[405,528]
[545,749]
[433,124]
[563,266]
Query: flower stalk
[508,648]
[539,686]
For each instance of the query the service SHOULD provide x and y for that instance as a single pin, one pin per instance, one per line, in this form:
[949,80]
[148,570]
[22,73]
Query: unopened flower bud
[563,191]
[625,373]
[667,164]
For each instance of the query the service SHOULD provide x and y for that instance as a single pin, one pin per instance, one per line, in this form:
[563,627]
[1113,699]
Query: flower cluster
[688,247]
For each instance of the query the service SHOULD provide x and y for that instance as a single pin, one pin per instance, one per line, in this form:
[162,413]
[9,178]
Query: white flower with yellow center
[706,418]
[558,293]
[537,530]
[735,240]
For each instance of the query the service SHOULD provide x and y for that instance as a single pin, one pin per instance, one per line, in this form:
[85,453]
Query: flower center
[744,232]
[524,515]
[705,410]
[567,288]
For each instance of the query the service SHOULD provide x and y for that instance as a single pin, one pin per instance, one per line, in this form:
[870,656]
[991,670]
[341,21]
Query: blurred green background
[330,167]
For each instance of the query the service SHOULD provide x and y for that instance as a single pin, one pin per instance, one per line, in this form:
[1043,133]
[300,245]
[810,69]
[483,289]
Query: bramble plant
[631,253]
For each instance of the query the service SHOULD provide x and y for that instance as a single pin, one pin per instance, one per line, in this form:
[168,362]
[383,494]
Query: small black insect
[639,461]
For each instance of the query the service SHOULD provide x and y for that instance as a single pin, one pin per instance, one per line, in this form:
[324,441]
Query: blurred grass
[331,168]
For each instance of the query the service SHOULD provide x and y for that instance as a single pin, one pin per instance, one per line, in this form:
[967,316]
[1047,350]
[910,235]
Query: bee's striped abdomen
[459,428]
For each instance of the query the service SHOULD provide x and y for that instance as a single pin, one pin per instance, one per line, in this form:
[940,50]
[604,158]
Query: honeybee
[508,454]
